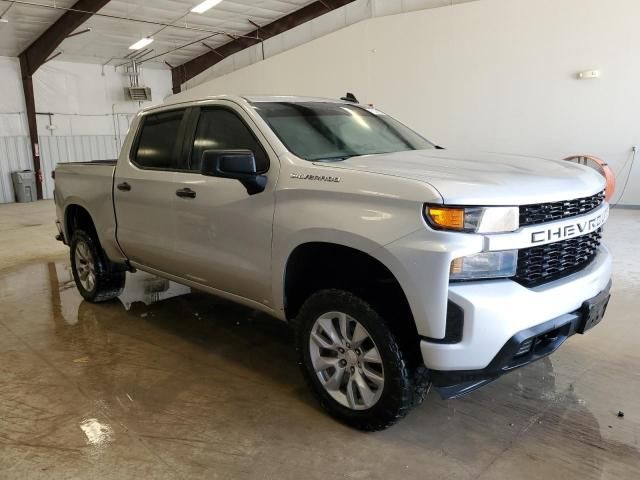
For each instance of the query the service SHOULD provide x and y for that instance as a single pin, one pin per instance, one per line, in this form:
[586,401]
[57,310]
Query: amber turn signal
[445,217]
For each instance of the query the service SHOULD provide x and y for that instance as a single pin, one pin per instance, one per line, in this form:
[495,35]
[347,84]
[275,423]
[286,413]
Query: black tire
[398,392]
[108,277]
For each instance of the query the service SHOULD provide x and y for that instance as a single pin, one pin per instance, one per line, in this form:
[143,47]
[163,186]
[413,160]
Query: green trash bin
[24,185]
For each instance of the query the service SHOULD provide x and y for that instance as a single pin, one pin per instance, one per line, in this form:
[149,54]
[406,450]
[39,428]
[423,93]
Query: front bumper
[493,311]
[521,349]
[499,314]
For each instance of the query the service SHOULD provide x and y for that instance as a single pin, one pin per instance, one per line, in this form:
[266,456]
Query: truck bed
[89,185]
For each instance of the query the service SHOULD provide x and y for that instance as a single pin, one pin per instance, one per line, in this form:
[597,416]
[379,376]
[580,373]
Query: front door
[223,232]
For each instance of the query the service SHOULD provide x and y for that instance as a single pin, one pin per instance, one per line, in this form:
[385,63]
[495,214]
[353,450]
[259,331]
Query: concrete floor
[193,386]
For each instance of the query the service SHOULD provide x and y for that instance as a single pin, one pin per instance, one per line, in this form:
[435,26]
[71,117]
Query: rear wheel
[97,279]
[352,361]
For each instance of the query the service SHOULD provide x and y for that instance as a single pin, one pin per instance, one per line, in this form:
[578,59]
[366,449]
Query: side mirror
[236,164]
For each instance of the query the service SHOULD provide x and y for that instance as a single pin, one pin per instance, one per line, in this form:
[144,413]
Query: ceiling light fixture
[143,42]
[4,20]
[204,6]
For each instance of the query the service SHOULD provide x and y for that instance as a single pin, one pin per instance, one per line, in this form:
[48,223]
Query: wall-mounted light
[204,6]
[143,42]
[588,75]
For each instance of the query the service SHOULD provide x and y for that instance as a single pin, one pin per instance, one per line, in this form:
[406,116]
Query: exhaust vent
[138,94]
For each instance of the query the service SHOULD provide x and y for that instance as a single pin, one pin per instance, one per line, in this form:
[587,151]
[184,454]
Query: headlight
[473,219]
[485,265]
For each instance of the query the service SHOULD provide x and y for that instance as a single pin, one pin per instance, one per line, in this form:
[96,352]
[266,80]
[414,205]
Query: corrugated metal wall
[15,154]
[77,148]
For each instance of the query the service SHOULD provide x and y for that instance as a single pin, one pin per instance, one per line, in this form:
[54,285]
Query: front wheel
[97,279]
[352,361]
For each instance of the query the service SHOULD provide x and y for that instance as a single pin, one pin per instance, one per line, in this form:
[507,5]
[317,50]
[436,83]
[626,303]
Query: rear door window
[158,144]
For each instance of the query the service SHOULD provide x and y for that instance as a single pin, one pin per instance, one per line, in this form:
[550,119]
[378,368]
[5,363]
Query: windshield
[336,131]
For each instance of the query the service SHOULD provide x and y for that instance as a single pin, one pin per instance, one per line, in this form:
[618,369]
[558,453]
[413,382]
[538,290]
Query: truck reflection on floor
[146,288]
[139,287]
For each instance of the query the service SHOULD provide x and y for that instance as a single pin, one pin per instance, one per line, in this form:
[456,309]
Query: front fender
[288,244]
[359,210]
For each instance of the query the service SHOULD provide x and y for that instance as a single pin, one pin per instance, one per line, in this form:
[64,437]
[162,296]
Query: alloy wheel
[346,360]
[85,266]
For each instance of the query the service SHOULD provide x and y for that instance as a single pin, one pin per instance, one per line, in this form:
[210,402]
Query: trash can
[24,185]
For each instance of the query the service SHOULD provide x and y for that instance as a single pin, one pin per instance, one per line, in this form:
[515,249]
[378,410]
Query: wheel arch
[319,265]
[76,213]
[78,216]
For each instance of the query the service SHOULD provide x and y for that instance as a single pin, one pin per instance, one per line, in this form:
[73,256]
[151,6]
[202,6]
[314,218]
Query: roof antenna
[350,97]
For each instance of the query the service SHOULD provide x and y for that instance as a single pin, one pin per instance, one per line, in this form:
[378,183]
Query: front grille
[537,265]
[547,212]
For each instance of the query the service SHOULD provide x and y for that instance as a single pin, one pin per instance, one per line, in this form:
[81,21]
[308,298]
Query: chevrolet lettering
[574,229]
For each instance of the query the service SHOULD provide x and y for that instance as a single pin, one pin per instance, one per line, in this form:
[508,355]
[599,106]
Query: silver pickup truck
[400,264]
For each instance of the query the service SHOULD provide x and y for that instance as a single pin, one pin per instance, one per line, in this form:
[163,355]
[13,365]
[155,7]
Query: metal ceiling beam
[190,69]
[36,54]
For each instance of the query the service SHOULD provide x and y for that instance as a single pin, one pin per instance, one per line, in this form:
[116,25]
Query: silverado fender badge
[320,178]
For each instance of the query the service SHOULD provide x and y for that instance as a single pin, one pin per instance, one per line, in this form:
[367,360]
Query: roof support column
[27,86]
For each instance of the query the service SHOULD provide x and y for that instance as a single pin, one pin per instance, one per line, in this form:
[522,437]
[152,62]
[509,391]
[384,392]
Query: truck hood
[465,178]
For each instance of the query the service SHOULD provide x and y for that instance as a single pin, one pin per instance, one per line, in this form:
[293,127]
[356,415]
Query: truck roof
[289,99]
[245,99]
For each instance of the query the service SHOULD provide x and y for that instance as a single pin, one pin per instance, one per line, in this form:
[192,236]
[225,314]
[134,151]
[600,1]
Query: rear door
[223,233]
[145,184]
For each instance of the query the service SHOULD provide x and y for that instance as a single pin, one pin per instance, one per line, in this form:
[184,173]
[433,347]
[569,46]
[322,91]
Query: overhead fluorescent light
[204,6]
[143,42]
[4,20]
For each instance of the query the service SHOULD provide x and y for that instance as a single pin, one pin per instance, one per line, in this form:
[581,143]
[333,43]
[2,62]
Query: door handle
[185,193]
[124,186]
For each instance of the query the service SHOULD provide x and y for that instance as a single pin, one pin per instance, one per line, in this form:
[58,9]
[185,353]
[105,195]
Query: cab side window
[157,145]
[221,129]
